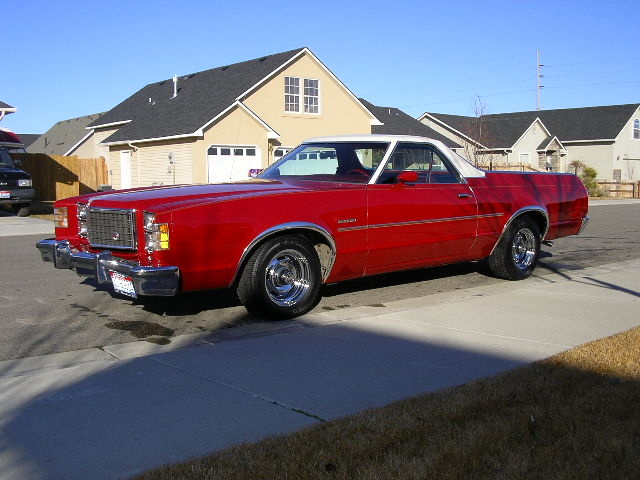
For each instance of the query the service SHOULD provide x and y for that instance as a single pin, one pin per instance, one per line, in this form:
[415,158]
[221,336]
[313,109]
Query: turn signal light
[61,217]
[156,234]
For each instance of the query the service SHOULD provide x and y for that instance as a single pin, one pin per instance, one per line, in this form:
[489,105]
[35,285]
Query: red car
[333,209]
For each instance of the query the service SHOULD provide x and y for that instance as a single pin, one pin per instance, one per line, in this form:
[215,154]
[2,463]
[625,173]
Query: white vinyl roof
[465,168]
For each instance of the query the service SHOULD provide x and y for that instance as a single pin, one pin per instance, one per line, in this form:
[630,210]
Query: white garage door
[227,163]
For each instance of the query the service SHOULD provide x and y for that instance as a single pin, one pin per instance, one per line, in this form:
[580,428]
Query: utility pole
[539,78]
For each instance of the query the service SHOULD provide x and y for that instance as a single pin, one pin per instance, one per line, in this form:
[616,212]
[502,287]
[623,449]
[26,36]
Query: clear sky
[69,58]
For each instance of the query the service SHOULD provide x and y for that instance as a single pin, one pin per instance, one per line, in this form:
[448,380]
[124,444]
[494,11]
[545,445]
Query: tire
[281,278]
[516,255]
[22,210]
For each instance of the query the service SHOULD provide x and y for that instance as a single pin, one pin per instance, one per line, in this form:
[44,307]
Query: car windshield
[346,162]
[5,159]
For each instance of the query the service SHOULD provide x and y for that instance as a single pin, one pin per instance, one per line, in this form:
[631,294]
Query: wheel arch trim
[537,210]
[291,227]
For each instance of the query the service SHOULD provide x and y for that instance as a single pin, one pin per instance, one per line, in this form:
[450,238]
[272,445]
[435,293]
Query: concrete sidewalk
[112,412]
[10,225]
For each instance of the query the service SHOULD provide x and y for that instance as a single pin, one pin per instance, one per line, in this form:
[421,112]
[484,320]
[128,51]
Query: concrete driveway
[110,412]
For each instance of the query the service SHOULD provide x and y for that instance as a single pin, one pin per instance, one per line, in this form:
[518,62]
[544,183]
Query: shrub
[588,177]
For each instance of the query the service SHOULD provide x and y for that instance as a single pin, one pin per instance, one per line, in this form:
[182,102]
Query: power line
[596,84]
[593,62]
[528,90]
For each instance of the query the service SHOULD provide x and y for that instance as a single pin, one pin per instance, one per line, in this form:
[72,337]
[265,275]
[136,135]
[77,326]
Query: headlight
[24,182]
[156,235]
[82,219]
[60,217]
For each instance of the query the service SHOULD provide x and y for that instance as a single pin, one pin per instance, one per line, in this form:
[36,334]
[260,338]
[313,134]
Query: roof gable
[5,107]
[548,142]
[503,130]
[64,136]
[155,113]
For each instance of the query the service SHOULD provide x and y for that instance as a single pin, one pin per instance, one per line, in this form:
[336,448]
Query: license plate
[5,194]
[123,284]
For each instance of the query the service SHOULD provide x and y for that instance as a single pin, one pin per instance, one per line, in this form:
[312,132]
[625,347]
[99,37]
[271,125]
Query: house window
[310,93]
[291,94]
[636,128]
[281,152]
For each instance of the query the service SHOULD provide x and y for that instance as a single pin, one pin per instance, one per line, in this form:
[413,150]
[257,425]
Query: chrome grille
[111,228]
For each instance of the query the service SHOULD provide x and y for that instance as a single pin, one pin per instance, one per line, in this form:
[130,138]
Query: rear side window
[429,163]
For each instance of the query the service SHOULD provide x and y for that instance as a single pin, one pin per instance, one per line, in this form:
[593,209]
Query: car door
[427,221]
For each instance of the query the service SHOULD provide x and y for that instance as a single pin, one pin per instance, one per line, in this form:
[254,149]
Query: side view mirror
[407,176]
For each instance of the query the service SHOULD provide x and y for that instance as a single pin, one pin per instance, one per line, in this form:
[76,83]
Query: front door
[125,169]
[413,224]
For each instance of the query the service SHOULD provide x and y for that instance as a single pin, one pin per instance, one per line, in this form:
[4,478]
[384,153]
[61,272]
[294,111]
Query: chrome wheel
[515,256]
[288,278]
[524,249]
[281,278]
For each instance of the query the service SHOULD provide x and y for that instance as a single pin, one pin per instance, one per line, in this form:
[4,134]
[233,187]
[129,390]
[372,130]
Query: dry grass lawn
[573,416]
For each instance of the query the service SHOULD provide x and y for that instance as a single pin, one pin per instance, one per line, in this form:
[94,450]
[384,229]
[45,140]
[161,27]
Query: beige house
[223,124]
[606,138]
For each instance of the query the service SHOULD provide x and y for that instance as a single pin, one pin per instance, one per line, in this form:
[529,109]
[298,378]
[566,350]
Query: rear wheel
[516,255]
[22,210]
[281,278]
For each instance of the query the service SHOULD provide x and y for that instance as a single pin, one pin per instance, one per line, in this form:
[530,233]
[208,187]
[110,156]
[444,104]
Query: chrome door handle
[464,195]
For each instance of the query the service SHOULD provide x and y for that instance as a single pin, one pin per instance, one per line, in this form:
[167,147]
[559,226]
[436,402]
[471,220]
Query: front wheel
[516,255]
[281,278]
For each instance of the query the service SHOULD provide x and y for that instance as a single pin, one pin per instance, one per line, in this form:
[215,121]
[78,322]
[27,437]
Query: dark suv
[15,185]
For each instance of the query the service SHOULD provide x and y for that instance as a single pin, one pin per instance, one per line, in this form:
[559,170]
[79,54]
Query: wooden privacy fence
[509,167]
[55,177]
[620,189]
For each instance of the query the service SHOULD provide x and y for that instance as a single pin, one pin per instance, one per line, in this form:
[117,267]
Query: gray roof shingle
[569,124]
[29,138]
[397,122]
[64,135]
[154,113]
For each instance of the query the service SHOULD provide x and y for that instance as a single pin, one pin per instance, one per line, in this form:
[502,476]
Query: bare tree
[576,166]
[477,128]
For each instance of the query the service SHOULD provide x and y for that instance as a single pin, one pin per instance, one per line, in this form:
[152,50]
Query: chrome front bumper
[159,281]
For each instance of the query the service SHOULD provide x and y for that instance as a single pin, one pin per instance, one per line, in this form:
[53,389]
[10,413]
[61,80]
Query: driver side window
[430,165]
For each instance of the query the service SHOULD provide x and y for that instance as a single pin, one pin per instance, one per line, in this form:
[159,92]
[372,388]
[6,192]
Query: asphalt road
[45,311]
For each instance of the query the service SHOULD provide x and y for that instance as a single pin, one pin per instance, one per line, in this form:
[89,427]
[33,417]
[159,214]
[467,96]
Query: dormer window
[310,93]
[636,128]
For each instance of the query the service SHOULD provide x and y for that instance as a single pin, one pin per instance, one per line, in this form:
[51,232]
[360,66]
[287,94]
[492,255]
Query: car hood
[184,196]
